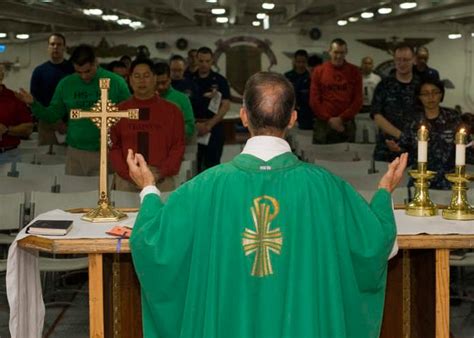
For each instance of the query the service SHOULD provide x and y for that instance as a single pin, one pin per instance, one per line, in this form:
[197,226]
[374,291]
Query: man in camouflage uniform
[300,78]
[393,104]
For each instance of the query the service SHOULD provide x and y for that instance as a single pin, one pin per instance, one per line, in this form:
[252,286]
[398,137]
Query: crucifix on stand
[104,115]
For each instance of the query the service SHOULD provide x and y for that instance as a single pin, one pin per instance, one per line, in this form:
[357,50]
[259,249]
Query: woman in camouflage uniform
[442,124]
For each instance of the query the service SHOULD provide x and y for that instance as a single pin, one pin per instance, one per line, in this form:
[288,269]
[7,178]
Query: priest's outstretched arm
[372,231]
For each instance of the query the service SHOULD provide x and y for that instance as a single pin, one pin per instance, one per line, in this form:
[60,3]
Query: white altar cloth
[23,276]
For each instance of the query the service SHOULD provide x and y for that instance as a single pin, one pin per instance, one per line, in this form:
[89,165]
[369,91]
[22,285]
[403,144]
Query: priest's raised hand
[394,174]
[138,170]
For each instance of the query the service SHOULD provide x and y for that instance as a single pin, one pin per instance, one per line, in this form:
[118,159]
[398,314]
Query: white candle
[461,147]
[422,145]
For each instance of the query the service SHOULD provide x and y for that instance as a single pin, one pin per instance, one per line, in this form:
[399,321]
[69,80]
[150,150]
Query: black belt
[5,149]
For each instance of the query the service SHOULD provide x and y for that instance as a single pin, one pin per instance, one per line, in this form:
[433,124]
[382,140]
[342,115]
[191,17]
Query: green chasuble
[272,249]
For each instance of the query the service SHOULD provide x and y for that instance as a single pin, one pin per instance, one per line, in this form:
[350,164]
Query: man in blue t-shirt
[212,102]
[43,83]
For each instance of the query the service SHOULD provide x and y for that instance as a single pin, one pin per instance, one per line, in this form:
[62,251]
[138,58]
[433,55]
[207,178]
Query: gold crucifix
[104,114]
[263,240]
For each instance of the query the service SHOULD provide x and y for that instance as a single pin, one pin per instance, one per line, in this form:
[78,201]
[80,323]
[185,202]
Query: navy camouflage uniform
[441,144]
[301,84]
[395,101]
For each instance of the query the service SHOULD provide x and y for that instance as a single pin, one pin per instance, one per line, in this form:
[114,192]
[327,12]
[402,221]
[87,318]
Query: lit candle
[422,145]
[461,140]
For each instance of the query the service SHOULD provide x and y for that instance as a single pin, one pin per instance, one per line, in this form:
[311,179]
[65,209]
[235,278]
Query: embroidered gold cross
[263,240]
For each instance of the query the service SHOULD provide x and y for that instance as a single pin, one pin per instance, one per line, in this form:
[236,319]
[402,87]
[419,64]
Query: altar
[417,299]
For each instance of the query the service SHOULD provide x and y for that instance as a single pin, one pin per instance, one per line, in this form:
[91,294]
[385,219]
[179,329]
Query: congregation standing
[184,102]
[329,95]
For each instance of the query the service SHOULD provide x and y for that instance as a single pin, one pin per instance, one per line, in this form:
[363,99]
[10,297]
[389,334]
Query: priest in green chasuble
[265,246]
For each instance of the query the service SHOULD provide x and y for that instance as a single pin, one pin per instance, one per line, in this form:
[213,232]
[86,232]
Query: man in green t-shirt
[265,245]
[166,91]
[79,91]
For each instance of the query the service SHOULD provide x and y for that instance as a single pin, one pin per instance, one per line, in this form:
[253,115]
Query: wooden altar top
[77,246]
[109,245]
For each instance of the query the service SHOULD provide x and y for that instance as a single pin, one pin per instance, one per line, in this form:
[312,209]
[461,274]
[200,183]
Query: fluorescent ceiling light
[124,21]
[222,19]
[95,11]
[408,5]
[266,22]
[341,22]
[261,16]
[211,1]
[454,36]
[111,17]
[218,11]
[256,23]
[367,15]
[3,35]
[22,36]
[384,10]
[353,19]
[472,34]
[136,24]
[268,5]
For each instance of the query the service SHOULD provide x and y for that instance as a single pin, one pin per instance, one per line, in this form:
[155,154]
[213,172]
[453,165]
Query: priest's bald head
[268,105]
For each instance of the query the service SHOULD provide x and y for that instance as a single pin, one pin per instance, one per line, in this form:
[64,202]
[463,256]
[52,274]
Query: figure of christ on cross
[104,115]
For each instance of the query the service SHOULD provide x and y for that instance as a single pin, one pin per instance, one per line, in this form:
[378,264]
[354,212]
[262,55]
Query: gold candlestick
[459,207]
[422,205]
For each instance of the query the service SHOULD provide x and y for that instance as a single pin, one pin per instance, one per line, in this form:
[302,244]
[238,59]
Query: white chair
[302,140]
[442,197]
[193,158]
[191,149]
[367,182]
[366,130]
[43,159]
[336,152]
[14,184]
[34,170]
[12,215]
[127,199]
[28,145]
[399,195]
[46,201]
[5,169]
[72,183]
[184,174]
[346,168]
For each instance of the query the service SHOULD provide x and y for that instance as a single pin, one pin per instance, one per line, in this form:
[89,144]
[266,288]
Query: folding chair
[184,173]
[127,199]
[12,208]
[46,201]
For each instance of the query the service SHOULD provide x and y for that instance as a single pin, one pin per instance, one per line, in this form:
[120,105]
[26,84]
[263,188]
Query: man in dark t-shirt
[211,104]
[43,83]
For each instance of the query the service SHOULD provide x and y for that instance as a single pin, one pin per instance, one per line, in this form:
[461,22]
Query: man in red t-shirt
[15,121]
[335,96]
[158,134]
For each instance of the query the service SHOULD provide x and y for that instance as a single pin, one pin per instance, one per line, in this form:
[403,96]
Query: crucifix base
[104,213]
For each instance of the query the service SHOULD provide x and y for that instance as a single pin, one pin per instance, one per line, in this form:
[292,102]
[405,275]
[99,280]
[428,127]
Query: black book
[50,227]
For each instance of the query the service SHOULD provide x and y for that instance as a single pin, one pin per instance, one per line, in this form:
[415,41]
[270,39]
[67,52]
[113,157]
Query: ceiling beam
[301,6]
[183,7]
[439,13]
[40,15]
